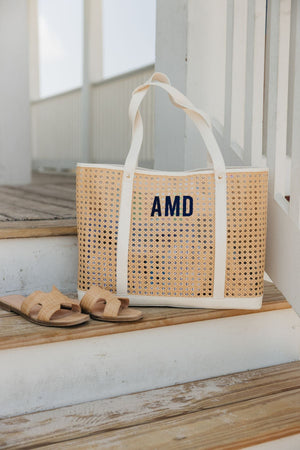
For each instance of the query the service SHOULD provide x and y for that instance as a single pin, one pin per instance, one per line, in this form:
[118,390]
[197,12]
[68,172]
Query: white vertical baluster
[248,122]
[293,131]
[33,33]
[239,76]
[228,74]
[86,88]
[280,188]
[256,18]
[271,83]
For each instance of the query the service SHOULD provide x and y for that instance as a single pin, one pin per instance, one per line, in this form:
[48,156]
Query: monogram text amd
[172,208]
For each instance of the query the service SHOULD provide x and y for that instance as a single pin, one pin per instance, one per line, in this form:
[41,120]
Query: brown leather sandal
[52,309]
[103,305]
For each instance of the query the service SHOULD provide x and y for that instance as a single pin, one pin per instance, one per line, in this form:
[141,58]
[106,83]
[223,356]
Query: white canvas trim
[219,171]
[172,173]
[251,303]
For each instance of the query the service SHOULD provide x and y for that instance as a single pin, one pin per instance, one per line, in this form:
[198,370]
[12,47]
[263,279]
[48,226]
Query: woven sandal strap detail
[65,301]
[112,304]
[50,302]
[33,299]
[47,311]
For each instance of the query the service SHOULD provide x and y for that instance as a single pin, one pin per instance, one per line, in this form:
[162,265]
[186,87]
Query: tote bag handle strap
[200,119]
[203,125]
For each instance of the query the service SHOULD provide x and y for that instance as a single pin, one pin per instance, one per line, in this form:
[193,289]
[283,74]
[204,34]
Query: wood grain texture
[36,196]
[38,228]
[46,207]
[37,206]
[17,332]
[57,191]
[226,412]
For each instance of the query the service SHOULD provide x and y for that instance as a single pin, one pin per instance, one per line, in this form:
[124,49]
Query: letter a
[156,207]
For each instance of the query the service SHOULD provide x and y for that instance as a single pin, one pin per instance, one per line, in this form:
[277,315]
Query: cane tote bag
[185,239]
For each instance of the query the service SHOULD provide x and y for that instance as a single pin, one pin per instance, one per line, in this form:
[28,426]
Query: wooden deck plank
[226,428]
[37,228]
[13,212]
[17,332]
[36,207]
[52,190]
[45,207]
[231,411]
[36,196]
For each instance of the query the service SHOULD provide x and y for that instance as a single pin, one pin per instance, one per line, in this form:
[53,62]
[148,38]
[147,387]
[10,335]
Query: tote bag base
[193,302]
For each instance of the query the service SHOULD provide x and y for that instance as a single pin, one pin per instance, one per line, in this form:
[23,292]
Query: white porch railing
[240,129]
[282,145]
[57,123]
[262,120]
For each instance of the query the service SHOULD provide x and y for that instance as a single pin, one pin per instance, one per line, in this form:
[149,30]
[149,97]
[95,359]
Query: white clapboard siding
[111,131]
[57,124]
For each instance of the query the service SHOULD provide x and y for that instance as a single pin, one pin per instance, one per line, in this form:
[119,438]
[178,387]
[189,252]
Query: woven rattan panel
[98,194]
[172,255]
[171,252]
[247,194]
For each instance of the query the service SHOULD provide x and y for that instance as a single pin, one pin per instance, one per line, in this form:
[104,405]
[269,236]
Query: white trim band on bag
[174,173]
[251,303]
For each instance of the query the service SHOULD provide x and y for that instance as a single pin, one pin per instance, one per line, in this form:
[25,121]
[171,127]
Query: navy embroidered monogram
[172,208]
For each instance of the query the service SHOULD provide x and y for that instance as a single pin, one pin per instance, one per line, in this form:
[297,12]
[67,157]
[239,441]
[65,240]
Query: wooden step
[46,207]
[16,332]
[45,368]
[228,412]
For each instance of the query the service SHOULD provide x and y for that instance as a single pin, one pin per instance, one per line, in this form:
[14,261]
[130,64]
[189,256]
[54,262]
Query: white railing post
[91,70]
[85,91]
[95,40]
[171,58]
[271,87]
[255,54]
[15,157]
[34,72]
[293,118]
[283,236]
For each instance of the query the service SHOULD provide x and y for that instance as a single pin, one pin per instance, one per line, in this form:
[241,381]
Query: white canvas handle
[200,119]
[203,124]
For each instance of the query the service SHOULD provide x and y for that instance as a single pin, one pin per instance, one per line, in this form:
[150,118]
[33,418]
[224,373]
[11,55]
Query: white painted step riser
[38,263]
[52,375]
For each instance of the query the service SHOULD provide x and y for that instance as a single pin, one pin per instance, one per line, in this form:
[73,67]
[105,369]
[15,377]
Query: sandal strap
[50,302]
[96,294]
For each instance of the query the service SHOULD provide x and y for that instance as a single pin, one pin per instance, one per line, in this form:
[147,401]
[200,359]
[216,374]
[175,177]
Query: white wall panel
[57,123]
[56,129]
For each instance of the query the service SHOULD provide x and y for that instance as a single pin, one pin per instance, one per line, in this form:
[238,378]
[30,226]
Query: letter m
[170,207]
